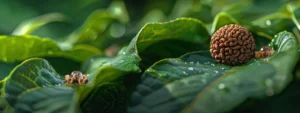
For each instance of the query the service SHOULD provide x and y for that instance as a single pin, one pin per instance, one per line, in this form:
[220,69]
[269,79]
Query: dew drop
[268,22]
[212,64]
[184,73]
[123,53]
[191,68]
[223,68]
[150,70]
[216,71]
[221,86]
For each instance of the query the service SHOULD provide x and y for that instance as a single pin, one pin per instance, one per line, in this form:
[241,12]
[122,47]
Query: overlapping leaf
[195,83]
[53,99]
[19,48]
[31,74]
[158,39]
[110,96]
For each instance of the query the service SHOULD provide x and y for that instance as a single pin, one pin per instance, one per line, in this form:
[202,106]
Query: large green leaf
[31,74]
[106,98]
[286,102]
[19,48]
[273,23]
[172,39]
[162,40]
[196,83]
[53,99]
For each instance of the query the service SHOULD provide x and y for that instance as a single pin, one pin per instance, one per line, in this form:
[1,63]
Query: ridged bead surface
[232,45]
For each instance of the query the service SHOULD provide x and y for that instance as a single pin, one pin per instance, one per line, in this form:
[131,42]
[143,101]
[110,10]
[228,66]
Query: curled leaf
[195,82]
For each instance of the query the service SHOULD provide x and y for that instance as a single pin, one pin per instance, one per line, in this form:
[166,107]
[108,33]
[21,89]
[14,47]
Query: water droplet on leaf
[191,68]
[216,71]
[221,86]
[268,22]
[184,73]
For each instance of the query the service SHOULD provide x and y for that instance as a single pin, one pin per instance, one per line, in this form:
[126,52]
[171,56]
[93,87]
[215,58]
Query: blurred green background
[138,12]
[108,25]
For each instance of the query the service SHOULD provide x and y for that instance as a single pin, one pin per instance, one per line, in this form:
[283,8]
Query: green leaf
[195,82]
[29,26]
[184,31]
[197,10]
[5,69]
[100,26]
[222,19]
[171,39]
[93,30]
[19,48]
[53,99]
[187,33]
[91,65]
[272,23]
[287,102]
[110,96]
[31,74]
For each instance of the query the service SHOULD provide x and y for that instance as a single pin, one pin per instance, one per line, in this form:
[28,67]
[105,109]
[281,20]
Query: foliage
[158,61]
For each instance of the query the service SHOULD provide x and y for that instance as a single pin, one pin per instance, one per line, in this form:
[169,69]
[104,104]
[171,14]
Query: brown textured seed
[264,52]
[232,45]
[76,77]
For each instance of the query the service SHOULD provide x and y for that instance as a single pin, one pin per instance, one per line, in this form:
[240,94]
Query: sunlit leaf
[19,48]
[31,74]
[29,26]
[58,99]
[195,82]
[183,32]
